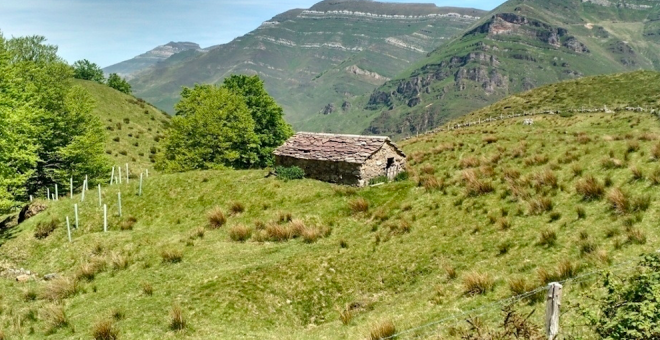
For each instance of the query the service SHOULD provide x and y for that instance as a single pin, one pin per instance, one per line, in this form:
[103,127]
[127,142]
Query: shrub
[477,283]
[240,233]
[216,218]
[402,176]
[44,229]
[177,320]
[289,173]
[358,205]
[236,208]
[105,330]
[172,255]
[383,330]
[590,189]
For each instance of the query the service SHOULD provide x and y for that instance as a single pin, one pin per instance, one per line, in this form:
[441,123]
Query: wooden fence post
[552,310]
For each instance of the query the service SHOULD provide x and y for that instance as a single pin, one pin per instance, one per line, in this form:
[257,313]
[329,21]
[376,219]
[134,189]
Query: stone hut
[343,159]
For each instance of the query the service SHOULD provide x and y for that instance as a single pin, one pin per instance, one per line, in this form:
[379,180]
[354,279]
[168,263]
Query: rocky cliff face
[521,45]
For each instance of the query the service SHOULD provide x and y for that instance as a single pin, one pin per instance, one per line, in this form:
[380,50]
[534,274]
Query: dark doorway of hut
[390,169]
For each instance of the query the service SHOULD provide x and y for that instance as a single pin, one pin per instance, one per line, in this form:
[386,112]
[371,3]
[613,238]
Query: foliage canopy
[118,83]
[87,70]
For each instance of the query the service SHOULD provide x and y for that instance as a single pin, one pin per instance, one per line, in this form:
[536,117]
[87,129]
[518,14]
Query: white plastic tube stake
[48,193]
[68,228]
[82,196]
[119,168]
[75,209]
[100,195]
[140,192]
[119,202]
[86,183]
[147,172]
[127,173]
[112,175]
[57,193]
[105,218]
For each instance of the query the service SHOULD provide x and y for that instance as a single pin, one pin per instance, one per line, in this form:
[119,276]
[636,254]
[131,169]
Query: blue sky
[110,31]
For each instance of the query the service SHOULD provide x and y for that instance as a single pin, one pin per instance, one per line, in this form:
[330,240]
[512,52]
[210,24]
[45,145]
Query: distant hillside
[521,45]
[316,62]
[128,68]
[133,128]
[635,89]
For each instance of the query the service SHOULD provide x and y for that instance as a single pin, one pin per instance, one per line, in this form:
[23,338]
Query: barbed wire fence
[437,328]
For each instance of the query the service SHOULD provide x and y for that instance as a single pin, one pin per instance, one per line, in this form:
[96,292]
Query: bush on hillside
[289,173]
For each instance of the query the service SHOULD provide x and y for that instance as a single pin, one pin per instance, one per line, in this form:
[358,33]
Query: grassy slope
[135,138]
[290,290]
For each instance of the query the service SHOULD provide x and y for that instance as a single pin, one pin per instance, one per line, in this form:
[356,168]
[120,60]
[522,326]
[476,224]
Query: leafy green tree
[31,49]
[631,307]
[119,84]
[212,128]
[270,127]
[87,70]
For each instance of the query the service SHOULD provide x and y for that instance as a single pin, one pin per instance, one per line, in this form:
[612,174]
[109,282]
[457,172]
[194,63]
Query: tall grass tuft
[177,319]
[590,188]
[236,208]
[637,174]
[469,162]
[172,255]
[548,238]
[431,183]
[619,200]
[382,330]
[55,316]
[240,233]
[540,205]
[474,185]
[358,205]
[216,218]
[105,330]
[477,283]
[60,288]
[655,152]
[44,229]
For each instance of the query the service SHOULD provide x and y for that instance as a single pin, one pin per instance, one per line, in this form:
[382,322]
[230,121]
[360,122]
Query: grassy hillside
[635,89]
[521,45]
[504,201]
[133,127]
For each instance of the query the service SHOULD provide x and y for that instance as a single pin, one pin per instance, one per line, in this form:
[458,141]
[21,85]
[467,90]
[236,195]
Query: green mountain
[489,212]
[316,61]
[128,68]
[520,45]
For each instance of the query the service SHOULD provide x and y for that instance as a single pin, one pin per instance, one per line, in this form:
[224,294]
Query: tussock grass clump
[240,233]
[118,261]
[540,205]
[504,223]
[382,330]
[588,247]
[128,223]
[654,177]
[565,270]
[476,283]
[283,217]
[537,160]
[633,146]
[619,200]
[590,188]
[44,229]
[450,271]
[147,289]
[431,183]
[216,218]
[342,190]
[511,174]
[581,213]
[172,255]
[519,286]
[87,271]
[198,232]
[236,208]
[611,163]
[358,205]
[177,319]
[278,233]
[490,139]
[582,138]
[474,185]
[655,152]
[60,288]
[105,330]
[637,174]
[345,315]
[469,162]
[427,169]
[55,317]
[636,236]
[548,238]
[577,170]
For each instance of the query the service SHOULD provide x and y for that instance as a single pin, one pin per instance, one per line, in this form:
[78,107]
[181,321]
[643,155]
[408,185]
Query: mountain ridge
[129,68]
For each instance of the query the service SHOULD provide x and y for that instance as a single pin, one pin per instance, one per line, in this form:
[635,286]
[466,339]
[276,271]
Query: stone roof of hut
[334,148]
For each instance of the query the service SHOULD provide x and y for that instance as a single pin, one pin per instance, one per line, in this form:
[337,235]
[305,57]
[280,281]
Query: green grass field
[504,202]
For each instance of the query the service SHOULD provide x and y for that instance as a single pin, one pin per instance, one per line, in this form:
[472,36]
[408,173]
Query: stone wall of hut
[327,171]
[376,165]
